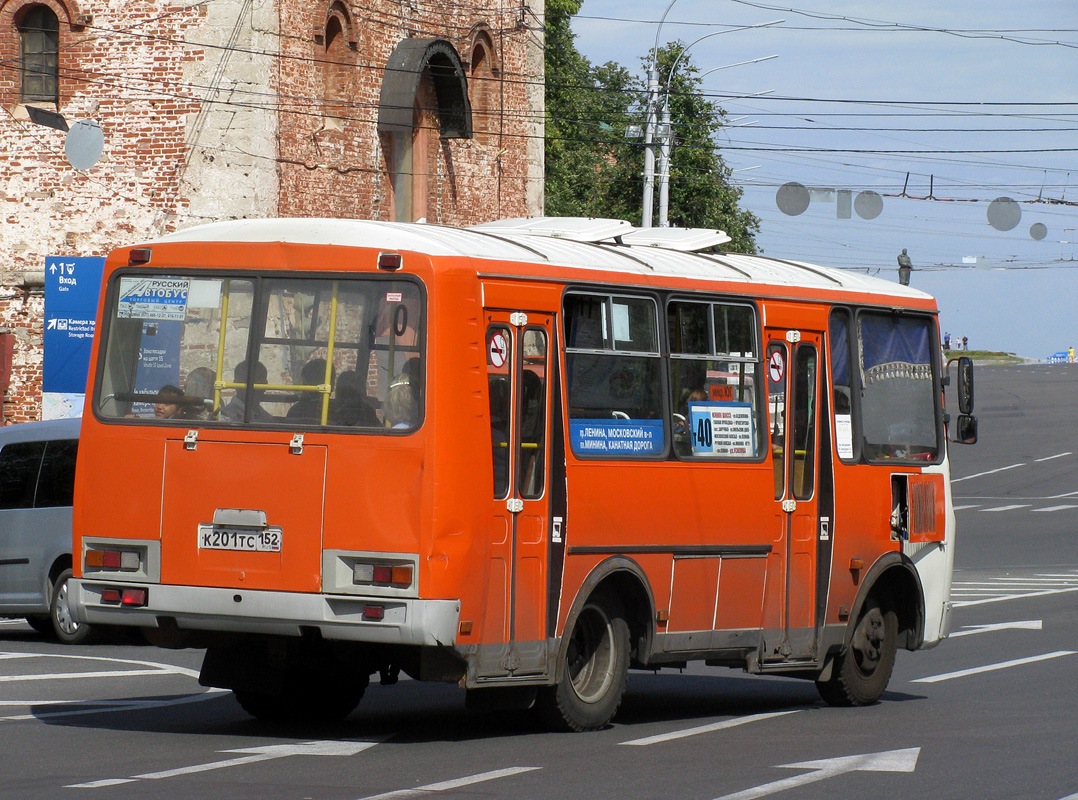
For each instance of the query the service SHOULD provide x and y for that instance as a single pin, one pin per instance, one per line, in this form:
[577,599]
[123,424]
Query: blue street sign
[72,288]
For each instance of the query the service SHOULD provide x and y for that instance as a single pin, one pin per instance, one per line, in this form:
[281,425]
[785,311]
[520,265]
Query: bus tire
[304,701]
[595,669]
[861,672]
[64,626]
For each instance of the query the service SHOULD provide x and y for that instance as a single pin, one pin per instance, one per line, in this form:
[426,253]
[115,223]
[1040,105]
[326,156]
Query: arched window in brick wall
[338,63]
[39,55]
[484,86]
[424,100]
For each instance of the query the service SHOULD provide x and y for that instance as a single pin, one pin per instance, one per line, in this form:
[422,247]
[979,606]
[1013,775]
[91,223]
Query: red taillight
[374,612]
[140,255]
[390,261]
[134,597]
[399,575]
[127,560]
[111,596]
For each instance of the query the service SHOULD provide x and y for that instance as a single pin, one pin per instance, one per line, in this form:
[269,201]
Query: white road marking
[1007,508]
[170,668]
[62,676]
[890,761]
[1055,508]
[256,754]
[963,508]
[453,784]
[962,673]
[111,707]
[1027,625]
[1001,598]
[716,726]
[989,472]
[1049,458]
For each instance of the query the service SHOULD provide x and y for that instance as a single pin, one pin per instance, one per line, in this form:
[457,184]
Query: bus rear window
[898,396]
[238,351]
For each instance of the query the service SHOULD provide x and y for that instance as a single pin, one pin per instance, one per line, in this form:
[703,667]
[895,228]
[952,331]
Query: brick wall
[239,109]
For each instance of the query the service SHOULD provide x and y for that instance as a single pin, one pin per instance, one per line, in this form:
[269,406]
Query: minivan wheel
[64,626]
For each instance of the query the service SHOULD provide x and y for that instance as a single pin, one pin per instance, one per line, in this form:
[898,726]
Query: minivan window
[56,484]
[19,465]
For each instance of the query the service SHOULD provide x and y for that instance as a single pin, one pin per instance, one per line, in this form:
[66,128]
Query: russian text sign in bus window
[614,376]
[841,382]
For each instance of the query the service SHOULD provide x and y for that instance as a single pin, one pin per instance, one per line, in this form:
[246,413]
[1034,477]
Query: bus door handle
[514,505]
[789,506]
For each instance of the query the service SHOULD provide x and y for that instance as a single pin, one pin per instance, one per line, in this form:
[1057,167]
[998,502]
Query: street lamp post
[666,126]
[649,126]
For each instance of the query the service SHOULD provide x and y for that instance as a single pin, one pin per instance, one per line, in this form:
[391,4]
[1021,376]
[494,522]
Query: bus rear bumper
[405,621]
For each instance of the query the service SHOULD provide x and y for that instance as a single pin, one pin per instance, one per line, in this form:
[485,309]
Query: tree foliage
[593,170]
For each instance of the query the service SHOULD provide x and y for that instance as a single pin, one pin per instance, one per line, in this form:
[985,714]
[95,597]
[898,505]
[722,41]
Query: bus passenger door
[518,373]
[793,365]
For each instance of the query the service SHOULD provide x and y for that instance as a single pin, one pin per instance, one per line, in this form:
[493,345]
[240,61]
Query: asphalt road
[991,713]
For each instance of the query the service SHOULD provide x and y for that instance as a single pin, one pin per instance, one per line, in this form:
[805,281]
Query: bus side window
[500,391]
[776,409]
[614,376]
[533,413]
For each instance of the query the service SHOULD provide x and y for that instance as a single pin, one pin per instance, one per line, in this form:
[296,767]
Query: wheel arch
[626,579]
[59,564]
[894,577]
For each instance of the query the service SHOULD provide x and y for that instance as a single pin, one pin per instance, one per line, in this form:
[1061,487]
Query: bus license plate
[222,538]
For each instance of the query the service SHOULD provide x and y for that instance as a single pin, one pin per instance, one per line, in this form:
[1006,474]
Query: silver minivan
[37,477]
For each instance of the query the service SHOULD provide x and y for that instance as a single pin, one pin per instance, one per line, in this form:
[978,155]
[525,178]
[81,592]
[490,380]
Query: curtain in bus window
[898,403]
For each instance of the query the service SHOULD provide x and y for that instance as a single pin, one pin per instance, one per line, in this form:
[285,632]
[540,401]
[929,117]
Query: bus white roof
[515,241]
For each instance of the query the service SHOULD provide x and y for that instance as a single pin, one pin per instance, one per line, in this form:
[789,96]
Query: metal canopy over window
[409,60]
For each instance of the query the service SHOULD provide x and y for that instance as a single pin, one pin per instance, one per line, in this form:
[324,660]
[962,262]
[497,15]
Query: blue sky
[868,76]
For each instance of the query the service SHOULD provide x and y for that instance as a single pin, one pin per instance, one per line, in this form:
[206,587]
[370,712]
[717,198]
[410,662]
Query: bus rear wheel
[305,700]
[861,672]
[596,669]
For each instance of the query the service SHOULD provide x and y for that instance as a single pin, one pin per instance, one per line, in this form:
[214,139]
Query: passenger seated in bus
[309,406]
[234,409]
[198,385]
[682,425]
[167,403]
[350,405]
[401,408]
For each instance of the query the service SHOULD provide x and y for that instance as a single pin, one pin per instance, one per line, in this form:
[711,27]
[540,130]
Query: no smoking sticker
[776,367]
[498,350]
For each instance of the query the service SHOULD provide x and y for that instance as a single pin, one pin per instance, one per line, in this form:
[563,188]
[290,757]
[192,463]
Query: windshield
[898,395]
[290,352]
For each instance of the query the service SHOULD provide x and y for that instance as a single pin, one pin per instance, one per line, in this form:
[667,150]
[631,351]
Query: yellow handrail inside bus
[325,388]
[218,384]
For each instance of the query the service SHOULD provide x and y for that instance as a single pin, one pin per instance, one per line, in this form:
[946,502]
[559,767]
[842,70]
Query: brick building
[382,109]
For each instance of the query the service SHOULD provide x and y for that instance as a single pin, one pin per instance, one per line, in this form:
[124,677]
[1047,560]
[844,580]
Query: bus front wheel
[595,666]
[861,672]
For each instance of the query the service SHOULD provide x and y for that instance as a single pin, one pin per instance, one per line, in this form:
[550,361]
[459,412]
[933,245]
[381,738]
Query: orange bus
[523,457]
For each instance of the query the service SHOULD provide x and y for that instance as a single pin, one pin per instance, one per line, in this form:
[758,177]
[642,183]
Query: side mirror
[965,387]
[965,429]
